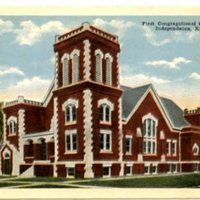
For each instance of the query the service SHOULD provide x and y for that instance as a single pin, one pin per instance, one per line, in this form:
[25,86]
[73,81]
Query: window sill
[70,123]
[70,152]
[105,123]
[12,134]
[41,161]
[106,151]
[29,157]
[128,154]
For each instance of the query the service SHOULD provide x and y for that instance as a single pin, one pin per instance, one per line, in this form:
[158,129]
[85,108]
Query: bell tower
[87,72]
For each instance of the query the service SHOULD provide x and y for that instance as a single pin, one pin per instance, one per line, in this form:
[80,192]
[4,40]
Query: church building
[91,126]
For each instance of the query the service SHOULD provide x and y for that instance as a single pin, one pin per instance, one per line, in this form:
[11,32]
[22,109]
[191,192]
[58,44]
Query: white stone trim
[162,135]
[98,51]
[106,101]
[87,60]
[65,55]
[150,116]
[121,173]
[6,151]
[56,128]
[163,159]
[140,157]
[11,118]
[70,101]
[35,137]
[138,132]
[193,148]
[4,128]
[75,52]
[107,55]
[56,69]
[117,73]
[88,140]
[21,131]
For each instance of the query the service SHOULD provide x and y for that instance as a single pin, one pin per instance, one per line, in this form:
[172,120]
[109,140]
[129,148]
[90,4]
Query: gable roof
[131,97]
[174,112]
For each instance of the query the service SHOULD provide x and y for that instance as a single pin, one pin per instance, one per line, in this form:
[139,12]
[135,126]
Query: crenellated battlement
[194,111]
[86,26]
[22,100]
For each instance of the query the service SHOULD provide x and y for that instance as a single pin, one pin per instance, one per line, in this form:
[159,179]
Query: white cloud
[141,79]
[153,38]
[195,76]
[120,26]
[173,64]
[30,33]
[11,70]
[6,26]
[33,88]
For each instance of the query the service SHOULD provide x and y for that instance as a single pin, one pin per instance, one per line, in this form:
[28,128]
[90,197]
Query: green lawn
[7,184]
[179,181]
[42,179]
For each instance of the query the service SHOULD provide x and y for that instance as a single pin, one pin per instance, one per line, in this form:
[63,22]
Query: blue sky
[169,60]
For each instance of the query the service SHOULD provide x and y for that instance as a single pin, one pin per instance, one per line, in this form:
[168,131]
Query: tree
[1,121]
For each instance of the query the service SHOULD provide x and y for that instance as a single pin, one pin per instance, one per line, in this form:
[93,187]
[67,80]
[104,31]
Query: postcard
[98,105]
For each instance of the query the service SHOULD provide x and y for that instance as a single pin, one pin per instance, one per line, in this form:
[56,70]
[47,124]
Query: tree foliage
[1,121]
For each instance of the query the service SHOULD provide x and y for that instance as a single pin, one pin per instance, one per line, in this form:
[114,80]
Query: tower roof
[87,27]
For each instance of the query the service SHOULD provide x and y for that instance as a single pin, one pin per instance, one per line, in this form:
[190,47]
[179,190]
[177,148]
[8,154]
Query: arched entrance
[7,164]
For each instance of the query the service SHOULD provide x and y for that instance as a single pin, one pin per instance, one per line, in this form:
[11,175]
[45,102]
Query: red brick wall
[43,170]
[103,46]
[115,169]
[113,97]
[64,95]
[98,170]
[193,119]
[79,169]
[136,121]
[61,170]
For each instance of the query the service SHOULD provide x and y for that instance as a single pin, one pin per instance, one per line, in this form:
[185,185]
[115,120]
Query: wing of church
[90,126]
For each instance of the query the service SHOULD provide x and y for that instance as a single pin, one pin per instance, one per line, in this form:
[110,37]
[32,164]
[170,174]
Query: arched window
[75,65]
[66,71]
[75,68]
[71,113]
[98,68]
[12,127]
[98,65]
[108,69]
[195,149]
[43,150]
[105,113]
[105,110]
[70,108]
[65,64]
[30,148]
[149,135]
